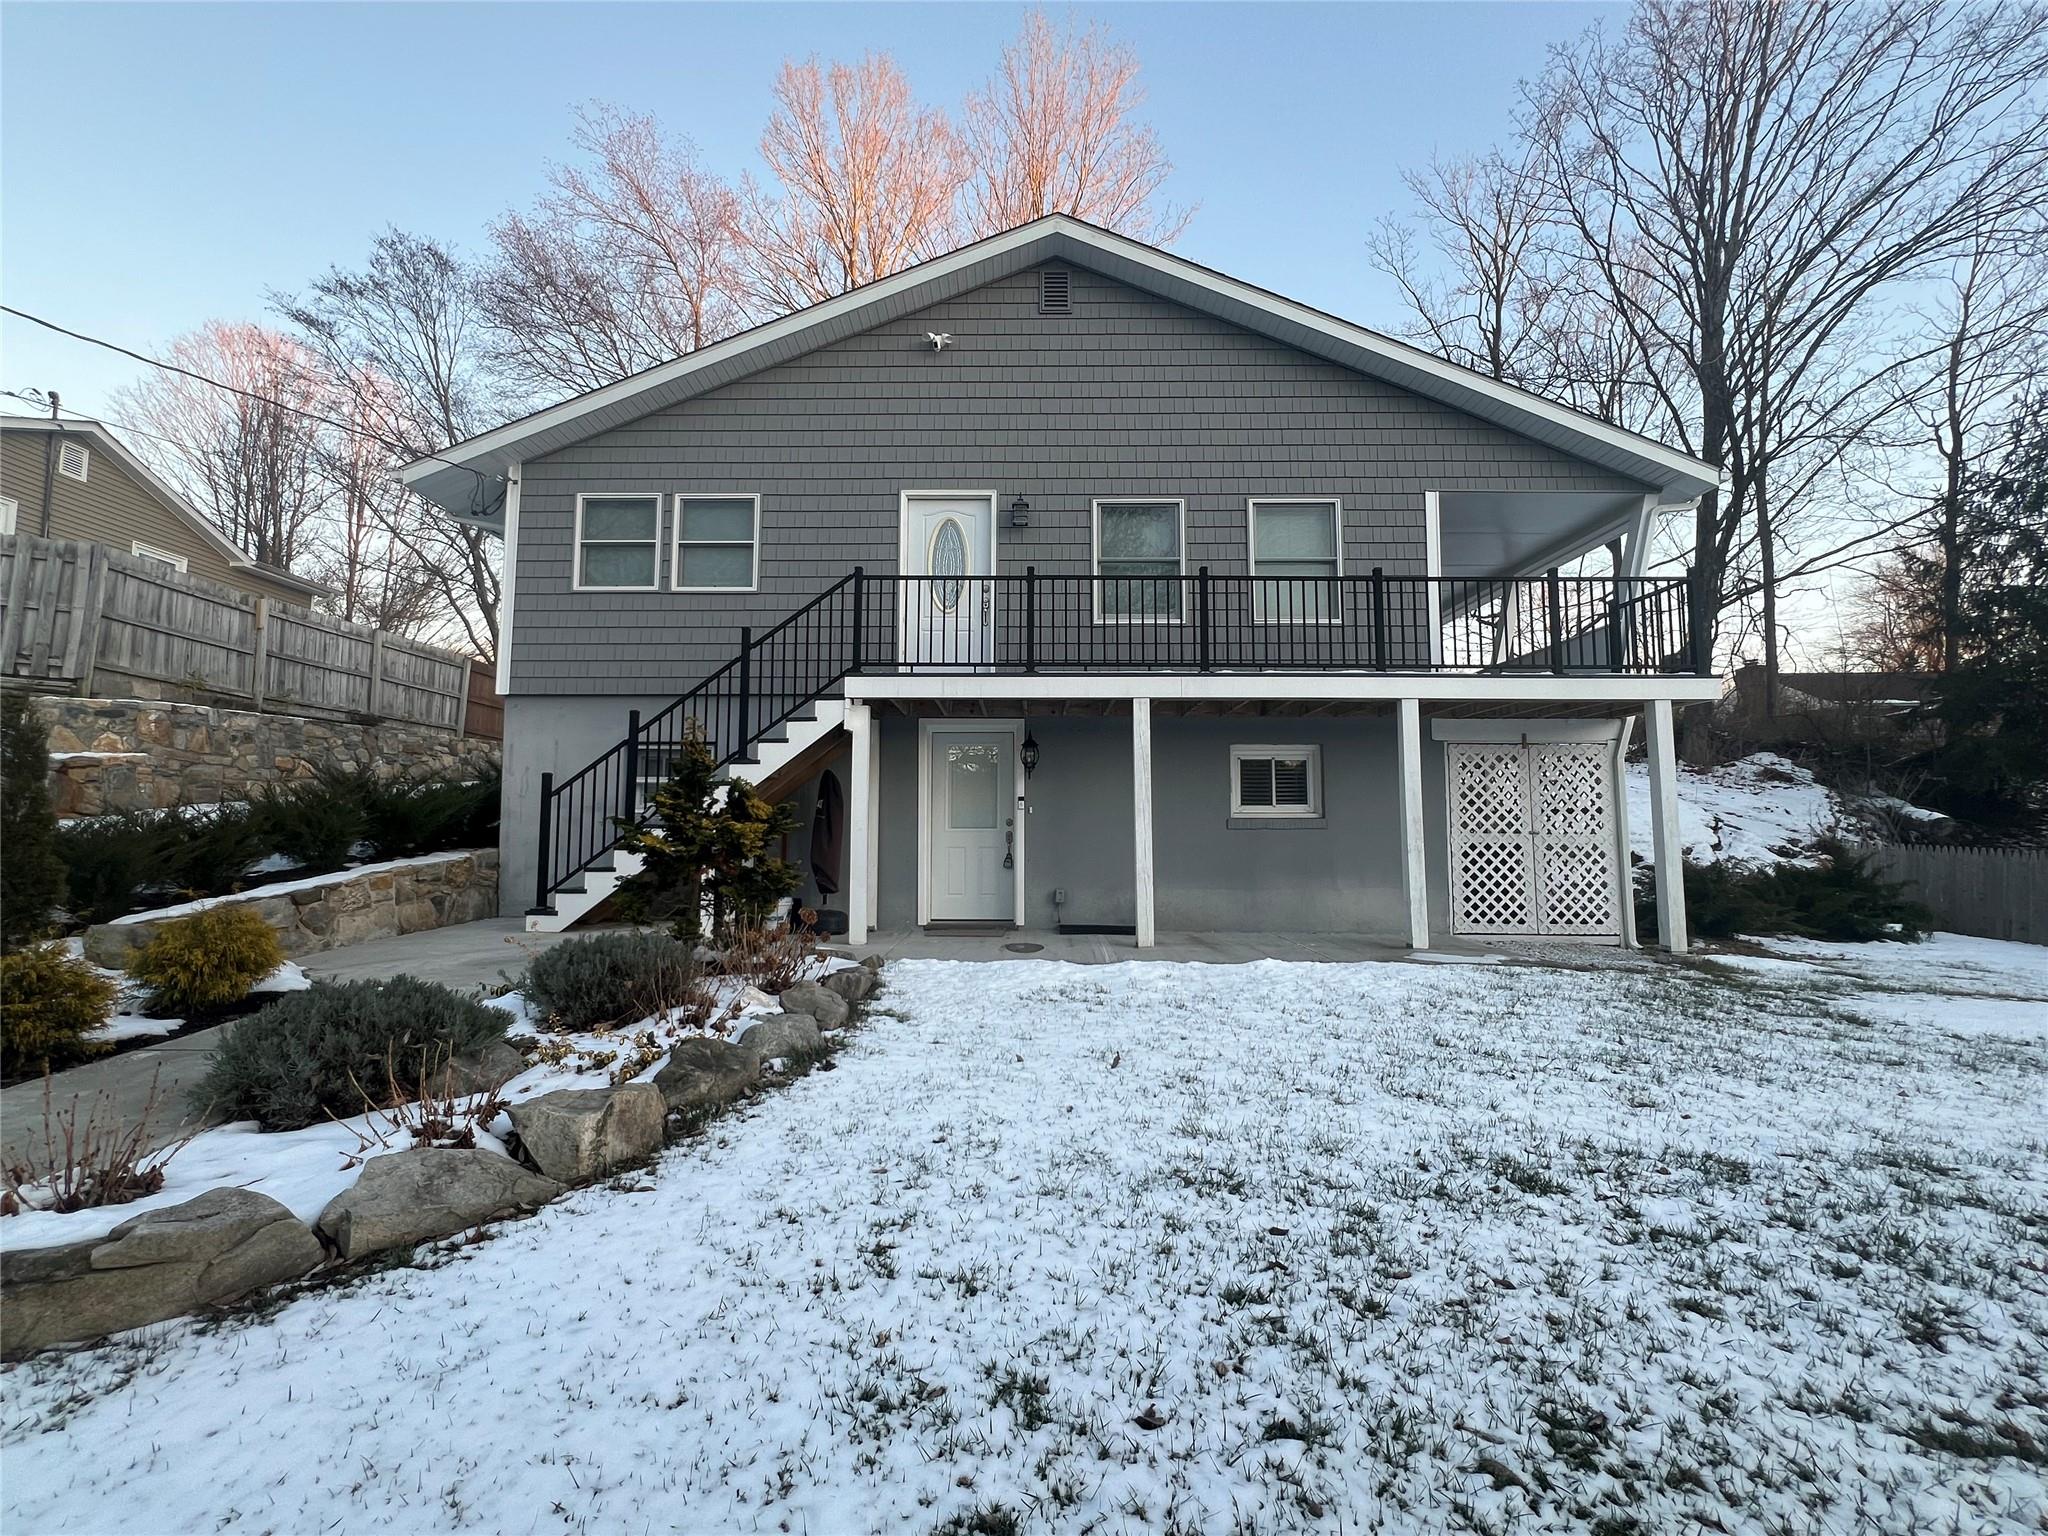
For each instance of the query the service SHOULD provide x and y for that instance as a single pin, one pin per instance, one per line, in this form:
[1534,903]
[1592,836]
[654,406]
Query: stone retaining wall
[376,901]
[131,754]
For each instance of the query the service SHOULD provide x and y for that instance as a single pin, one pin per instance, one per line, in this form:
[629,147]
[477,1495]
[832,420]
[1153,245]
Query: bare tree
[250,460]
[865,183]
[627,261]
[1055,131]
[403,343]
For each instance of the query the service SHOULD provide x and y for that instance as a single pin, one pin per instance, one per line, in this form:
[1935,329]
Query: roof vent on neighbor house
[72,459]
[1055,292]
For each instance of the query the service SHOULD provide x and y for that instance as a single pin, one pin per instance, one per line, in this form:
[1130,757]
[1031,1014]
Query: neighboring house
[1060,580]
[103,494]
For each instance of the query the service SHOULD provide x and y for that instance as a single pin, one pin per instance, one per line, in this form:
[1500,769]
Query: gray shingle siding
[1129,395]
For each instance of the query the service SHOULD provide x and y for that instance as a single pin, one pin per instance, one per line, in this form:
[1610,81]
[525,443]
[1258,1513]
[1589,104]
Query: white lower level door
[970,845]
[1533,839]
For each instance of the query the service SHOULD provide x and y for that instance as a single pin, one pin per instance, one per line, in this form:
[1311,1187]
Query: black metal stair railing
[1032,623]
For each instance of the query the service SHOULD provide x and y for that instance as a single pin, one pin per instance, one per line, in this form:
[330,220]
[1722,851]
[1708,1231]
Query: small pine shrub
[609,979]
[31,873]
[50,1002]
[320,1052]
[1839,900]
[206,961]
[314,822]
[212,846]
[404,819]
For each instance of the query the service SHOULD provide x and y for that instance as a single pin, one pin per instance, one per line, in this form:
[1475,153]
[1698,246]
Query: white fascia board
[1335,687]
[1460,387]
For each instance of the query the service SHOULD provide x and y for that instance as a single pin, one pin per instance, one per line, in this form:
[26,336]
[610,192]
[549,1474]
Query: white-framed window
[718,543]
[1140,552]
[73,459]
[155,556]
[1276,781]
[618,543]
[1297,543]
[9,510]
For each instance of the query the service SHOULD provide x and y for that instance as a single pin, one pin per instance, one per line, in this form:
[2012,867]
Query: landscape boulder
[821,1003]
[782,1035]
[703,1073]
[581,1133]
[852,984]
[158,1265]
[404,1198]
[492,1067]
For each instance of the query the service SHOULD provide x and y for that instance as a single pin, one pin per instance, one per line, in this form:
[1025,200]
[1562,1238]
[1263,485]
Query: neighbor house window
[717,543]
[1276,781]
[8,509]
[617,543]
[1296,544]
[73,459]
[1140,553]
[162,557]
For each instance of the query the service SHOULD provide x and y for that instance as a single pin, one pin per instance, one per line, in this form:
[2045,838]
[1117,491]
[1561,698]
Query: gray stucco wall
[1342,876]
[1130,395]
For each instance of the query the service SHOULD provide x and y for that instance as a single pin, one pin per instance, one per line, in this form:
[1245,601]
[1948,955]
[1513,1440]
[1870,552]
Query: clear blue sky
[163,165]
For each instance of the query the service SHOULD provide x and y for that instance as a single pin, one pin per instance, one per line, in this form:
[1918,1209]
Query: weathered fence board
[75,616]
[486,717]
[1994,893]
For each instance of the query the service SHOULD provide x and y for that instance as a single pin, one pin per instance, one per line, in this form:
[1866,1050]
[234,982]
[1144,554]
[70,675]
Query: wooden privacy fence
[1994,893]
[80,618]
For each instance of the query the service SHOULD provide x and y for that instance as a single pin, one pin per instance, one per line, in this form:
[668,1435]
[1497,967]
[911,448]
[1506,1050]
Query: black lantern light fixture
[1028,754]
[1020,513]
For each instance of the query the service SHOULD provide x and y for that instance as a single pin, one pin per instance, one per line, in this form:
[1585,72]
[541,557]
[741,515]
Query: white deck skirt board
[1336,686]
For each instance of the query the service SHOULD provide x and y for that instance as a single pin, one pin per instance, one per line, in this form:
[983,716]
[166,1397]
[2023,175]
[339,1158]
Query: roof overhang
[449,479]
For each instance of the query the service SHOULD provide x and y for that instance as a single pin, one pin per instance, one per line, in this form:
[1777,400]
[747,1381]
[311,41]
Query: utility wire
[247,394]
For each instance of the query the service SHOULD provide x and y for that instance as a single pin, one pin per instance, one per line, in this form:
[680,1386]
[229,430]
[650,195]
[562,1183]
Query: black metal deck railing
[1033,624]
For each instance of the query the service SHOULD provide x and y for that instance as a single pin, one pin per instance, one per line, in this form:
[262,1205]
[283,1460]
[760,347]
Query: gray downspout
[49,467]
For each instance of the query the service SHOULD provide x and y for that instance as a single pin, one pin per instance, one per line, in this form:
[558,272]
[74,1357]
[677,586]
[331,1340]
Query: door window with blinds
[1139,554]
[717,543]
[1296,545]
[618,543]
[1276,781]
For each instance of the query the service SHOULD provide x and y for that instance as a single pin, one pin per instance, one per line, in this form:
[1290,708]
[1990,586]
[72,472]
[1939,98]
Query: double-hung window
[1140,554]
[163,557]
[1296,548]
[618,543]
[1276,781]
[717,543]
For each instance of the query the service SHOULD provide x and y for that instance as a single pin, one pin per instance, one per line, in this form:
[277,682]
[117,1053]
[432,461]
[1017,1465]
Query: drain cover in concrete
[1023,949]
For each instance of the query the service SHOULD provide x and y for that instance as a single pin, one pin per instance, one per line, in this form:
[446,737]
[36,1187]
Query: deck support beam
[860,823]
[1414,855]
[1664,837]
[1141,814]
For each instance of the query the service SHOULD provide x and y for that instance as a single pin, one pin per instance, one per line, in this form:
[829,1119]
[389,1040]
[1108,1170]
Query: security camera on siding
[940,340]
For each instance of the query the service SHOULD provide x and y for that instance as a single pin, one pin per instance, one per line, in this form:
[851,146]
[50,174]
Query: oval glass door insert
[947,563]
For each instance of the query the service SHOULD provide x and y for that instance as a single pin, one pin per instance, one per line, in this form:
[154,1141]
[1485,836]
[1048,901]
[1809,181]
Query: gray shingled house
[1086,586]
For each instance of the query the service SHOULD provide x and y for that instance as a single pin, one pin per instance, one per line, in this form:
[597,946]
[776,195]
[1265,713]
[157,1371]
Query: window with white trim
[9,509]
[618,543]
[717,543]
[1276,781]
[1297,544]
[1140,554]
[73,459]
[163,557]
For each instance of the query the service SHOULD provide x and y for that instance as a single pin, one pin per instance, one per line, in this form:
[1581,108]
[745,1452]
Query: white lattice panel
[1533,839]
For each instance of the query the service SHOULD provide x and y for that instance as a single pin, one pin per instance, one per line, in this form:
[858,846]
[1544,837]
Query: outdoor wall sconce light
[1028,754]
[1020,513]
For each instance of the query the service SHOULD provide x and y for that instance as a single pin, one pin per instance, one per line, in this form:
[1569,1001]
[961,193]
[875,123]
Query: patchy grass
[1623,1248]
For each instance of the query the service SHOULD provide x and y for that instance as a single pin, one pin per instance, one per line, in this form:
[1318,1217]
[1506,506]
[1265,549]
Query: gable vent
[1055,292]
[71,460]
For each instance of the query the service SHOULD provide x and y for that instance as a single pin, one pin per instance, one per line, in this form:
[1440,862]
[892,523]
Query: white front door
[971,832]
[949,554]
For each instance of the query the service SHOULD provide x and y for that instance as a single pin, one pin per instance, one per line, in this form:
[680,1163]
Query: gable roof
[178,506]
[448,481]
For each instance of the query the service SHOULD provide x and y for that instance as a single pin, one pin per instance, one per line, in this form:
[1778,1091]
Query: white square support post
[1414,855]
[1141,813]
[874,850]
[860,731]
[1665,846]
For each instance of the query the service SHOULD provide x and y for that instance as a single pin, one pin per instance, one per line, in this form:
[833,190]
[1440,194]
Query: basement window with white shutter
[1276,781]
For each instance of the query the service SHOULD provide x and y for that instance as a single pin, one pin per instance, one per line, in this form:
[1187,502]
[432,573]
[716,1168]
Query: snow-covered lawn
[1649,1247]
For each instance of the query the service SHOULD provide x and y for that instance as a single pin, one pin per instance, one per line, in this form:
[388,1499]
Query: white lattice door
[1533,839]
